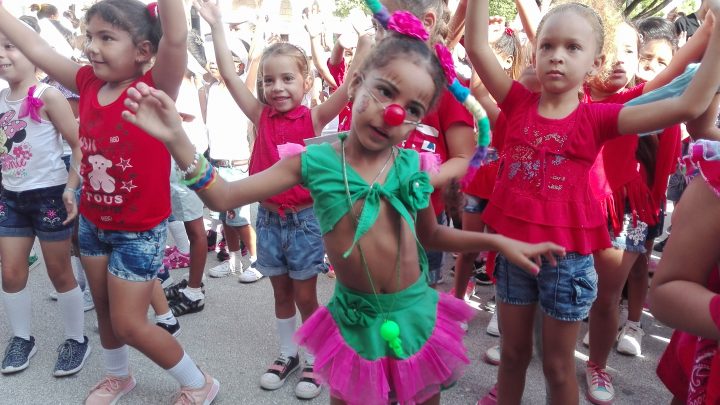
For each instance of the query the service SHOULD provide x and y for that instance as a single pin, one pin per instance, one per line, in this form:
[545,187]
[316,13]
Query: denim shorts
[475,205]
[134,256]
[290,245]
[31,213]
[435,258]
[565,292]
[238,216]
[633,235]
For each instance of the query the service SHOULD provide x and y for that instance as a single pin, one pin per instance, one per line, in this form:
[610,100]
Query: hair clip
[153,9]
[509,31]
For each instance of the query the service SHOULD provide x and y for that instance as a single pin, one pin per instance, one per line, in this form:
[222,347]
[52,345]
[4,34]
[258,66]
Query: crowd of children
[531,129]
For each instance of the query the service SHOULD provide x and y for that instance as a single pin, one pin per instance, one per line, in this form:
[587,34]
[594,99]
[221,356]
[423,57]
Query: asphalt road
[234,340]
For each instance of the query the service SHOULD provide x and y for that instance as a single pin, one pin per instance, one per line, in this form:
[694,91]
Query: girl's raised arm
[171,58]
[154,112]
[530,16]
[39,52]
[688,53]
[690,105]
[325,112]
[248,103]
[481,55]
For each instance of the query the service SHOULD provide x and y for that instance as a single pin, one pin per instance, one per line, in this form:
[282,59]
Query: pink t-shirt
[275,129]
[430,136]
[542,191]
[125,171]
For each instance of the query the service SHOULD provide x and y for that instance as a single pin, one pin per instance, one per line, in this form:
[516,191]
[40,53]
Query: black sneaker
[171,329]
[71,357]
[481,276]
[185,306]
[18,354]
[660,246]
[223,255]
[278,372]
[173,294]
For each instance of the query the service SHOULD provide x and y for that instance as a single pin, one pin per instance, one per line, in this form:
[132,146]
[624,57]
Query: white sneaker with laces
[250,275]
[493,329]
[223,269]
[600,390]
[630,340]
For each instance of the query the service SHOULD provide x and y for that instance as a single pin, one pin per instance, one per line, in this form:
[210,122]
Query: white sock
[286,330]
[235,259]
[19,312]
[193,294]
[633,323]
[71,305]
[79,272]
[179,235]
[116,361]
[187,373]
[309,359]
[167,318]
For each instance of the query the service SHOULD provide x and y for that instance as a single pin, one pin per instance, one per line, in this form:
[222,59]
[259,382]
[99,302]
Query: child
[34,118]
[290,249]
[622,179]
[542,190]
[448,131]
[362,362]
[125,196]
[685,293]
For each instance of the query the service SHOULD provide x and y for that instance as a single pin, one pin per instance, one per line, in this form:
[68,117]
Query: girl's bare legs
[289,293]
[195,230]
[464,262]
[57,261]
[638,283]
[14,252]
[158,300]
[305,296]
[121,308]
[612,266]
[559,338]
[515,350]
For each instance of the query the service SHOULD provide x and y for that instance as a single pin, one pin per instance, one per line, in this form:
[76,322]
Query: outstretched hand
[529,256]
[153,111]
[208,10]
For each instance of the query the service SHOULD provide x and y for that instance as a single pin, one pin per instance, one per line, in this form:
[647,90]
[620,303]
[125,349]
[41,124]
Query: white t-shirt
[188,103]
[30,152]
[227,125]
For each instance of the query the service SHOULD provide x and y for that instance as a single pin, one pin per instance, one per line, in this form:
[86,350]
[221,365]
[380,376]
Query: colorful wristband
[715,310]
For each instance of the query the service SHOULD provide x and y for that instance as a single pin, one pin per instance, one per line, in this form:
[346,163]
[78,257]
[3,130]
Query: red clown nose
[394,115]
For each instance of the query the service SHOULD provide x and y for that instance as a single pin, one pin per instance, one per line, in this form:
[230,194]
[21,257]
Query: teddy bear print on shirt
[99,178]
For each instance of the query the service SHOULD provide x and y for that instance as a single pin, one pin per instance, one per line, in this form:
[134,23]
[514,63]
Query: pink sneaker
[177,260]
[109,390]
[490,398]
[203,395]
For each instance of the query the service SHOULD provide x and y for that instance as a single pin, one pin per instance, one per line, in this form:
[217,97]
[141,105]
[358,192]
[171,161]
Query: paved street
[234,339]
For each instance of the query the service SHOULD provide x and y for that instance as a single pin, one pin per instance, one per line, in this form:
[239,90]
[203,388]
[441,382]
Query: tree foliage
[343,7]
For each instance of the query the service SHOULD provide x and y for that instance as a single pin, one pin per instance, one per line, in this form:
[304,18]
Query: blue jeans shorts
[134,256]
[633,235]
[239,216]
[435,259]
[475,205]
[289,245]
[39,212]
[565,292]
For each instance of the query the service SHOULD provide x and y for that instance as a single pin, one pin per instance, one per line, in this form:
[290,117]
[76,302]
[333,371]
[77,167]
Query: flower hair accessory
[31,106]
[509,31]
[153,9]
[460,92]
[407,24]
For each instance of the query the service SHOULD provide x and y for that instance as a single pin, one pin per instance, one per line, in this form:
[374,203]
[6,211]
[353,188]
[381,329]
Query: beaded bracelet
[191,168]
[203,167]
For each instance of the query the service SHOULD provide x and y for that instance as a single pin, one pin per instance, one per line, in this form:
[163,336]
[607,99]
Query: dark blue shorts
[290,245]
[39,212]
[565,292]
[134,256]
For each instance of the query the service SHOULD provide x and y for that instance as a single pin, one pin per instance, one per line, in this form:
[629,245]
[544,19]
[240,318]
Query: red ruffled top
[542,191]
